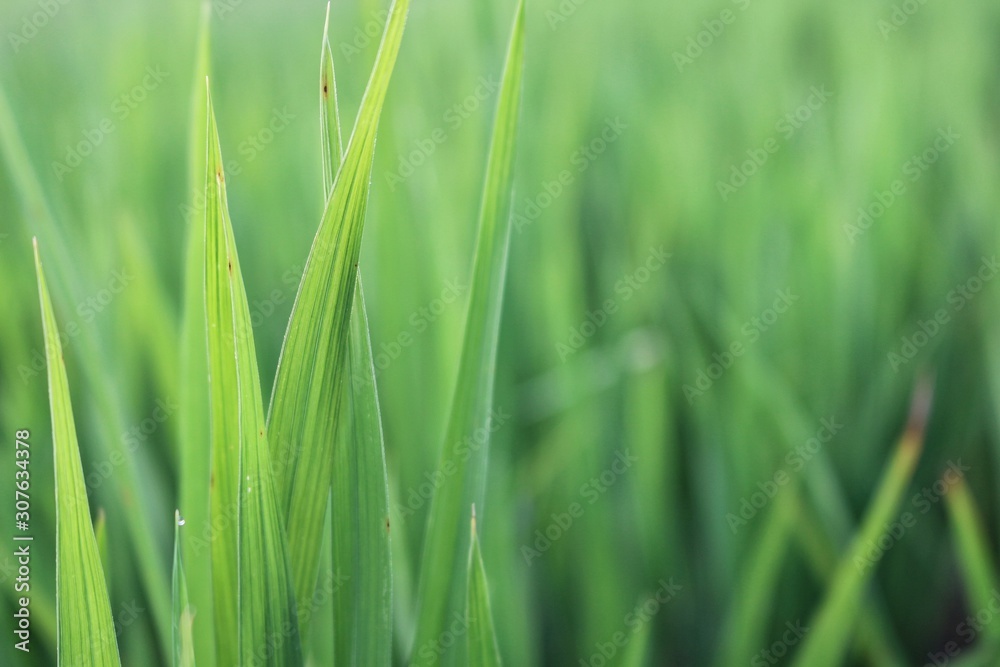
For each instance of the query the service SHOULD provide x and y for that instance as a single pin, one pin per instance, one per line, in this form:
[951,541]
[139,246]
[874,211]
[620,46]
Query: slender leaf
[106,396]
[223,411]
[183,614]
[362,613]
[974,555]
[363,605]
[331,143]
[830,631]
[83,611]
[309,383]
[482,638]
[267,621]
[442,583]
[195,453]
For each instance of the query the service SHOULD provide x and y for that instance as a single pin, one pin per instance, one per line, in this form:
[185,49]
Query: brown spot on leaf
[387,524]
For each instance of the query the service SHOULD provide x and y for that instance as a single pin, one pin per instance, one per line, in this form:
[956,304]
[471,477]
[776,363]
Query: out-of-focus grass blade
[86,627]
[268,627]
[362,612]
[830,631]
[183,614]
[638,648]
[442,582]
[482,638]
[311,370]
[752,603]
[978,567]
[194,450]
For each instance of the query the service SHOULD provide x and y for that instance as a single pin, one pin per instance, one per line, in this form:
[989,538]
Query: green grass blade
[101,535]
[223,411]
[360,512]
[362,606]
[183,614]
[482,638]
[442,582]
[86,628]
[830,631]
[309,382]
[94,364]
[268,627]
[973,546]
[752,602]
[329,117]
[195,456]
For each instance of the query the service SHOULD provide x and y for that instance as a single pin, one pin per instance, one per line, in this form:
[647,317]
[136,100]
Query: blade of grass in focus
[331,142]
[828,639]
[360,549]
[223,411]
[482,639]
[265,603]
[194,445]
[309,383]
[183,614]
[362,616]
[86,628]
[92,358]
[442,585]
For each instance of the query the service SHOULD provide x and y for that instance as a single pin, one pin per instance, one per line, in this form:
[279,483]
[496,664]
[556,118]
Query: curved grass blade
[482,638]
[268,627]
[183,614]
[309,383]
[83,612]
[829,637]
[442,583]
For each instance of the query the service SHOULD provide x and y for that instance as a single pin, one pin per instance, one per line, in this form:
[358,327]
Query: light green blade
[193,440]
[465,452]
[83,611]
[267,622]
[973,548]
[183,614]
[829,637]
[482,638]
[308,386]
[94,364]
[331,143]
[363,605]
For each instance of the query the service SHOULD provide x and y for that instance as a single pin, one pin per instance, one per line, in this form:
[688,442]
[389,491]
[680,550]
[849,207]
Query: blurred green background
[729,217]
